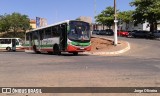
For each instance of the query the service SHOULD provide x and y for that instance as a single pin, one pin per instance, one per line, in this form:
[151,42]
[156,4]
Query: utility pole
[115,21]
[95,13]
[95,6]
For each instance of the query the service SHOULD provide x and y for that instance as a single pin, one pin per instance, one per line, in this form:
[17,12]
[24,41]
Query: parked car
[101,32]
[109,32]
[142,34]
[94,31]
[130,33]
[98,32]
[156,34]
[123,33]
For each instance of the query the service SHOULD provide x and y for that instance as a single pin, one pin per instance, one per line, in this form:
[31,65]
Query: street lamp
[115,21]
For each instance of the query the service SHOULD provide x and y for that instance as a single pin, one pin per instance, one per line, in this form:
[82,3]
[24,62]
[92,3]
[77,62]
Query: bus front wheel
[8,49]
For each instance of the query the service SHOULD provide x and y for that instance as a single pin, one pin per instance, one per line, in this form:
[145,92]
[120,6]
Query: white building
[145,26]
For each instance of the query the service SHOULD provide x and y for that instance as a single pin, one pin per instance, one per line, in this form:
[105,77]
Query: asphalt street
[139,67]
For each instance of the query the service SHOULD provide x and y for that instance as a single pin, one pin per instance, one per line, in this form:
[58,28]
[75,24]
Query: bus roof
[9,38]
[66,21]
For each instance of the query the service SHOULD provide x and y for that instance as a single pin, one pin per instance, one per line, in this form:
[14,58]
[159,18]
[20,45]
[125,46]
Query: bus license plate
[82,48]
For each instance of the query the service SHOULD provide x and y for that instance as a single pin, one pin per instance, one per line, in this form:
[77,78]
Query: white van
[11,44]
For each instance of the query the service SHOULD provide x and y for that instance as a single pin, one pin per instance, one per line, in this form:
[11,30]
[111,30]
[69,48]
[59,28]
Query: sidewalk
[122,46]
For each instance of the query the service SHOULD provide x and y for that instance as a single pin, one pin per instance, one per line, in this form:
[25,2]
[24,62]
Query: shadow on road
[63,54]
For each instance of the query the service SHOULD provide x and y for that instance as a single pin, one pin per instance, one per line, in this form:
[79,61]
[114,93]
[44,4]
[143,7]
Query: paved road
[139,67]
[141,47]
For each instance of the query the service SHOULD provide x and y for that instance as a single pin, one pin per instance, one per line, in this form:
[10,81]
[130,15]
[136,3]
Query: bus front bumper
[71,48]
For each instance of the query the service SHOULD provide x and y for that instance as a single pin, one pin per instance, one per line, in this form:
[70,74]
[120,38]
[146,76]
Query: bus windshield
[79,31]
[21,41]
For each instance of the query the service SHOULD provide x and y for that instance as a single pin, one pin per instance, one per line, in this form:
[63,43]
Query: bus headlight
[69,43]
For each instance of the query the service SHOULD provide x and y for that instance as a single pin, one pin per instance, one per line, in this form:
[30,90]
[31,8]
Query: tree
[19,22]
[14,22]
[126,16]
[147,10]
[25,23]
[5,23]
[106,17]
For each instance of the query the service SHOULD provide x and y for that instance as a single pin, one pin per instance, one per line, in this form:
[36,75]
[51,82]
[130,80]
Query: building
[33,23]
[99,27]
[39,22]
[130,27]
[85,19]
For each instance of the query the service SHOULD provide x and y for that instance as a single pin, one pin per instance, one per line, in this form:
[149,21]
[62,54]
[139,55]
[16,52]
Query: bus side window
[35,35]
[53,31]
[6,41]
[2,41]
[48,33]
[27,36]
[41,33]
[30,35]
[58,31]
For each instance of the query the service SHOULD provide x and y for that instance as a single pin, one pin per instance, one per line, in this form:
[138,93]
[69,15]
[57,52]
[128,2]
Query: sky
[60,10]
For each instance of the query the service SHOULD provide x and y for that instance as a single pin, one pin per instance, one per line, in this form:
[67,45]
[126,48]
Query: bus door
[13,44]
[63,37]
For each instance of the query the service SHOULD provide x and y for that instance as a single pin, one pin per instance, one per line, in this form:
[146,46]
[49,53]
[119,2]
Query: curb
[110,53]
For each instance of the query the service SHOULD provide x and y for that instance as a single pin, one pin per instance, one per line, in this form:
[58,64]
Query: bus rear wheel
[8,49]
[56,50]
[35,49]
